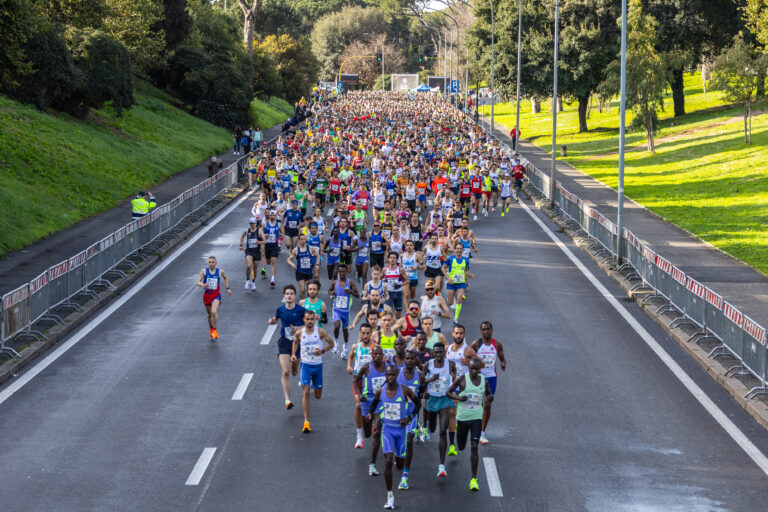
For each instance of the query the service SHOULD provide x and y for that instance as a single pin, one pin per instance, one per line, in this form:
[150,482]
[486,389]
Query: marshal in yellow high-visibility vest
[142,204]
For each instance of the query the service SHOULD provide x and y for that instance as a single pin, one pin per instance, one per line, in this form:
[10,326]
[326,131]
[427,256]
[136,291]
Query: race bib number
[465,254]
[363,359]
[271,238]
[292,224]
[377,382]
[363,251]
[473,401]
[308,353]
[437,387]
[305,262]
[253,243]
[212,283]
[288,333]
[392,411]
[341,302]
[335,251]
[376,246]
[363,202]
[389,352]
[489,360]
[457,278]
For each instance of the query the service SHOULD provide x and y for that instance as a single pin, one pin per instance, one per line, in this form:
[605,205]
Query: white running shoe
[372,471]
[335,348]
[483,439]
[453,306]
[359,443]
[247,284]
[390,504]
[441,471]
[475,217]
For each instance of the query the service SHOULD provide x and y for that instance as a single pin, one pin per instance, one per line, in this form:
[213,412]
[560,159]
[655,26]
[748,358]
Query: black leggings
[463,428]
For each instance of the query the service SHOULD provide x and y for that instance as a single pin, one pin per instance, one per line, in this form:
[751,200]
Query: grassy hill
[266,114]
[56,170]
[703,176]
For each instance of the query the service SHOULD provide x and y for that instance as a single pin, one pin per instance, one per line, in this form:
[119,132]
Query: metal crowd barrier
[61,283]
[692,303]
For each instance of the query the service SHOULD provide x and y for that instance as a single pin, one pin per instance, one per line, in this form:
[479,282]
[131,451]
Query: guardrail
[693,303]
[39,299]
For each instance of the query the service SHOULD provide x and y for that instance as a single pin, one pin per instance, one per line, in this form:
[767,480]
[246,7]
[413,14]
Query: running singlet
[334,250]
[467,244]
[341,299]
[387,344]
[377,243]
[456,355]
[373,381]
[212,286]
[293,218]
[316,308]
[439,386]
[272,232]
[393,409]
[488,354]
[362,356]
[304,260]
[456,268]
[394,279]
[431,308]
[252,239]
[309,343]
[410,329]
[472,408]
[396,245]
[362,252]
[410,265]
[433,257]
[314,241]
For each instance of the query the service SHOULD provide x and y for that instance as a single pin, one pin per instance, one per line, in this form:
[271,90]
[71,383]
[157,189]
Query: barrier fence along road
[61,283]
[737,335]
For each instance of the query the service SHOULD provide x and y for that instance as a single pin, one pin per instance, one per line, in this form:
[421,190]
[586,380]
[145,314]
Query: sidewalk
[738,283]
[24,265]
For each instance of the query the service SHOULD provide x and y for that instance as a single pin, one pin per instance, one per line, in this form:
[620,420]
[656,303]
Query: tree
[131,22]
[295,63]
[279,17]
[756,17]
[689,30]
[736,73]
[369,69]
[175,23]
[15,19]
[249,23]
[335,31]
[647,73]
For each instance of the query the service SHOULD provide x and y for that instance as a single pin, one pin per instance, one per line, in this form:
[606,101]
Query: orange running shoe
[215,334]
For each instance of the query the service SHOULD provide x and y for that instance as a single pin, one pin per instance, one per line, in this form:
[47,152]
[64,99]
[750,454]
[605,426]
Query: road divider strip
[242,387]
[268,335]
[494,485]
[200,466]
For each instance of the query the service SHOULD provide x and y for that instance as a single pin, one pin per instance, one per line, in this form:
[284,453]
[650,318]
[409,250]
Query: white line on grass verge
[99,319]
[200,466]
[240,391]
[494,485]
[731,429]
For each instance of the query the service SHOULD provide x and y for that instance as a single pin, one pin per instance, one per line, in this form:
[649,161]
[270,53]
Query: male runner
[303,259]
[369,379]
[359,356]
[434,307]
[460,354]
[271,233]
[456,267]
[375,304]
[437,379]
[307,342]
[394,276]
[474,396]
[409,325]
[394,418]
[291,316]
[314,303]
[386,336]
[488,350]
[254,243]
[341,291]
[209,279]
[411,377]
[293,219]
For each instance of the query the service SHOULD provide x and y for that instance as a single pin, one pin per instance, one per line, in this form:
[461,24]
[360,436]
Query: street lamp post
[622,113]
[519,37]
[554,105]
[493,44]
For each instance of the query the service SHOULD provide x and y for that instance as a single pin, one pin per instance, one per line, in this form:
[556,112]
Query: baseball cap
[252,220]
[429,283]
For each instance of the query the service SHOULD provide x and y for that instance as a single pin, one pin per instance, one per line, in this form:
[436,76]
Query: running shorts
[393,440]
[491,384]
[464,428]
[208,298]
[396,300]
[312,375]
[270,251]
[433,272]
[254,253]
[342,316]
[300,276]
[284,347]
[438,403]
[454,287]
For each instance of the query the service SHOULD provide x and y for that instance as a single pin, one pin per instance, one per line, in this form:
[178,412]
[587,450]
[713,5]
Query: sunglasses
[413,309]
[429,289]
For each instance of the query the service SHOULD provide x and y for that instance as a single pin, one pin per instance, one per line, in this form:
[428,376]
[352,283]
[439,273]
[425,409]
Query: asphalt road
[587,417]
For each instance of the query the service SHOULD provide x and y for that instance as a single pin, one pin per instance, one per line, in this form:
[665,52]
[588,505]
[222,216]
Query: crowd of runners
[367,200]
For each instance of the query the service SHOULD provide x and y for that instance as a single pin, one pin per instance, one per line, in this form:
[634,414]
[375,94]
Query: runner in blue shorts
[395,416]
[342,290]
[368,380]
[308,343]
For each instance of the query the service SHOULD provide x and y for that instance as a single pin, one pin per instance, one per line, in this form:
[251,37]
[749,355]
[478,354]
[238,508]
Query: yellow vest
[141,206]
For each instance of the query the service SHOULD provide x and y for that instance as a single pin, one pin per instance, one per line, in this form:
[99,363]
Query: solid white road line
[240,391]
[494,485]
[202,464]
[101,317]
[268,335]
[329,212]
[737,435]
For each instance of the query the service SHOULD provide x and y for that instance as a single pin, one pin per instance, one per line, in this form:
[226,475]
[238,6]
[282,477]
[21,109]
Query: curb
[12,367]
[732,385]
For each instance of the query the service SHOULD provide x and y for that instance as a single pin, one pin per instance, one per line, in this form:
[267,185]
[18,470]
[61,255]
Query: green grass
[703,176]
[267,114]
[56,170]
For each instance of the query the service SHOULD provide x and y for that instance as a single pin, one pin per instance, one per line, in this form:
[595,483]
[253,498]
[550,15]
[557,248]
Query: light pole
[519,37]
[622,113]
[554,105]
[493,43]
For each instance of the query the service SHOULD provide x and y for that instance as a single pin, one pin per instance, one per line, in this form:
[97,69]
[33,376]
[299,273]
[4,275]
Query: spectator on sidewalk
[257,138]
[214,166]
[237,134]
[142,204]
[514,133]
[245,141]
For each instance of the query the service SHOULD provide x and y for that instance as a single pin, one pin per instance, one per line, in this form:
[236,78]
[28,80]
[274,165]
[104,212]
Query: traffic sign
[340,85]
[454,86]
